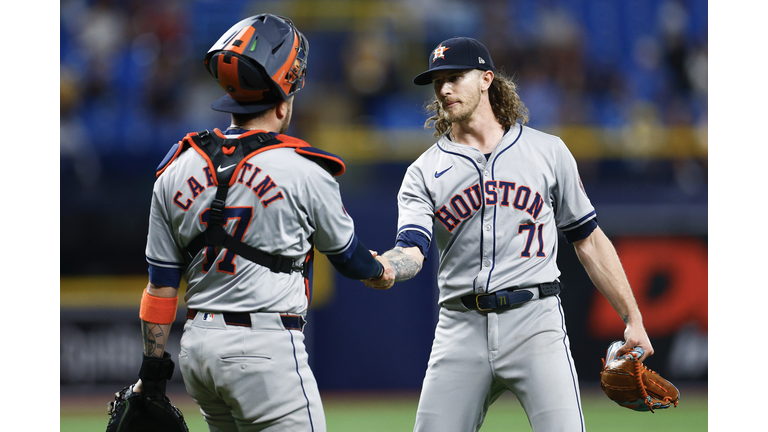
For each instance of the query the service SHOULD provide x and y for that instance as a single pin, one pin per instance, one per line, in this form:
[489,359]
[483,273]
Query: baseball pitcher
[493,193]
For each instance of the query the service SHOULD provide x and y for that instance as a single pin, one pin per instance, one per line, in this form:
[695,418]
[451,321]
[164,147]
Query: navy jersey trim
[410,227]
[493,165]
[169,264]
[301,381]
[165,276]
[578,222]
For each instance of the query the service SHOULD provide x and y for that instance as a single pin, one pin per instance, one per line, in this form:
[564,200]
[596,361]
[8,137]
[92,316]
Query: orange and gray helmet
[258,62]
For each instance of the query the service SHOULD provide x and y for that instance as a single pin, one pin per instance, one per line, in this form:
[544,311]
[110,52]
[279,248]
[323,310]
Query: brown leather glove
[629,383]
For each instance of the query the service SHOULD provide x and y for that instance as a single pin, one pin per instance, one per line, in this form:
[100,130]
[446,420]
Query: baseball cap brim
[425,78]
[228,105]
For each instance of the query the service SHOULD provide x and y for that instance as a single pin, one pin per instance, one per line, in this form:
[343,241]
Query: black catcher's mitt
[150,410]
[135,412]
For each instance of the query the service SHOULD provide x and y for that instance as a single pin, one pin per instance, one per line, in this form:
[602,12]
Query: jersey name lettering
[462,206]
[262,189]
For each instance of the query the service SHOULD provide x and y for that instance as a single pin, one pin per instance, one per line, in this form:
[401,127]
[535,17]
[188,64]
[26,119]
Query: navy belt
[290,322]
[508,298]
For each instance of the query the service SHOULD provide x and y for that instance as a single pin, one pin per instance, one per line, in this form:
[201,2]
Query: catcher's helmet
[258,62]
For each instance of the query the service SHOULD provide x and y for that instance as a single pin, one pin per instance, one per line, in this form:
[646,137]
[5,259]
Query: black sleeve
[357,262]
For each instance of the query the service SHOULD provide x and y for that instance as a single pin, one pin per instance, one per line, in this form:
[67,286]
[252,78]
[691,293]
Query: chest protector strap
[225,159]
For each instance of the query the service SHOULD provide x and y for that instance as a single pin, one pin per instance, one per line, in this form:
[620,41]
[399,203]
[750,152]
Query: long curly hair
[505,102]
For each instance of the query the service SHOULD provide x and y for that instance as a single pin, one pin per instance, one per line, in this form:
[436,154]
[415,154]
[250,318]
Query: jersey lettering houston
[495,220]
[281,203]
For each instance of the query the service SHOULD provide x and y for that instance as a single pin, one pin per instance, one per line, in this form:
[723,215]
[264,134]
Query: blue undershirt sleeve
[413,238]
[165,276]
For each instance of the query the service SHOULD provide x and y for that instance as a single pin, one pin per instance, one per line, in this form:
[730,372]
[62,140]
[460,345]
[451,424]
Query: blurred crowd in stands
[132,73]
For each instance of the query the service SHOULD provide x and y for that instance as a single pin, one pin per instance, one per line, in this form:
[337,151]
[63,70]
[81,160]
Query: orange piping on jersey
[290,139]
[287,141]
[218,132]
[280,75]
[254,153]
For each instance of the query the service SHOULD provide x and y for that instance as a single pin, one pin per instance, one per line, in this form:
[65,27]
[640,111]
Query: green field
[371,413]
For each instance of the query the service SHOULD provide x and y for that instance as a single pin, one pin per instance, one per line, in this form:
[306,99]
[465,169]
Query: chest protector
[222,155]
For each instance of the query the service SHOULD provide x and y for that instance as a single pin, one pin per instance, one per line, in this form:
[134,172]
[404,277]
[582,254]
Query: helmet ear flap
[243,80]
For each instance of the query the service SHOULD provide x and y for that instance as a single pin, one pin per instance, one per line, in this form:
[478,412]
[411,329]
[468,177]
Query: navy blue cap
[456,53]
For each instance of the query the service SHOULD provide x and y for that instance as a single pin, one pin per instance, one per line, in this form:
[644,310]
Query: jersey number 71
[531,228]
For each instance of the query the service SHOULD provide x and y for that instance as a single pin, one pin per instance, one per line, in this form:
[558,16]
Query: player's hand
[635,335]
[387,279]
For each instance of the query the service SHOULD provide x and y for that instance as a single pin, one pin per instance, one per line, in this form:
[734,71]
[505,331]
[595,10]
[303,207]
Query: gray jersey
[512,204]
[281,203]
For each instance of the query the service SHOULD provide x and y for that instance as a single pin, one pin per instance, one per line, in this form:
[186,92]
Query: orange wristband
[158,310]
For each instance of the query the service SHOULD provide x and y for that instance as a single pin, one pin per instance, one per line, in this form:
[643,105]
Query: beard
[464,110]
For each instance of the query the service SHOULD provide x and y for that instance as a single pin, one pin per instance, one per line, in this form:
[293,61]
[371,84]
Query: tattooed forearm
[155,337]
[625,318]
[405,266]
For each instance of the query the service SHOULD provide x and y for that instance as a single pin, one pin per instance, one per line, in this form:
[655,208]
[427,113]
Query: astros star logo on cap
[438,52]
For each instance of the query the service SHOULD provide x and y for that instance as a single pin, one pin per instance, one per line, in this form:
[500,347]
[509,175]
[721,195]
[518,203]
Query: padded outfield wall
[364,339]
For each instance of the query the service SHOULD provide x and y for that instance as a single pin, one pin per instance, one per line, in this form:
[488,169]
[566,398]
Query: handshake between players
[399,264]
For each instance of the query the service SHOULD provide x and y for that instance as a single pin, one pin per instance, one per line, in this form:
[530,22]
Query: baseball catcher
[144,406]
[629,383]
[238,215]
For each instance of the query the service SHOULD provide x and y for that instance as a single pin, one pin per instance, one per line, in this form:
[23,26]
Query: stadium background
[623,83]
